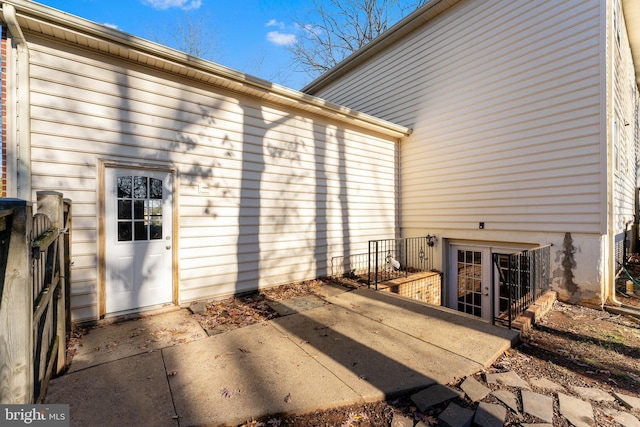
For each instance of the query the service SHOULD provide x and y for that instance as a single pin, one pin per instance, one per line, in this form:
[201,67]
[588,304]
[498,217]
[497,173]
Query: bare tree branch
[191,35]
[341,27]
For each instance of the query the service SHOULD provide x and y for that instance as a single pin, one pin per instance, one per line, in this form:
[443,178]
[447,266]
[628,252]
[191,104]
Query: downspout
[611,270]
[22,133]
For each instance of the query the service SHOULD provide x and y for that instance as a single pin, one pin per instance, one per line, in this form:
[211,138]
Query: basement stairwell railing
[523,277]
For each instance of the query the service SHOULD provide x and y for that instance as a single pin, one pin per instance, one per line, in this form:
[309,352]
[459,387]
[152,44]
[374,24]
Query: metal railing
[523,278]
[393,258]
[353,266]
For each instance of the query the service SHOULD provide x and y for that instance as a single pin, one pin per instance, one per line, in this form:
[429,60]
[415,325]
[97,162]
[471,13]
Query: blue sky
[248,35]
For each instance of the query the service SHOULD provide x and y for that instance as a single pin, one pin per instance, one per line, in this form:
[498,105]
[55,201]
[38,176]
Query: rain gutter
[22,132]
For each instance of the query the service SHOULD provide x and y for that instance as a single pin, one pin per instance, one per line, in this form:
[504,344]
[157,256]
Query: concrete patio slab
[296,305]
[132,391]
[372,358]
[249,372]
[327,356]
[448,329]
[102,344]
[328,290]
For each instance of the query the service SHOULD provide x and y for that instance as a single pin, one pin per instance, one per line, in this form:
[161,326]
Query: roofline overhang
[35,18]
[416,19]
[433,8]
[631,12]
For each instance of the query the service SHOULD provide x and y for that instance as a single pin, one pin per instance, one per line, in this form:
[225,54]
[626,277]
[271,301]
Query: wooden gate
[34,295]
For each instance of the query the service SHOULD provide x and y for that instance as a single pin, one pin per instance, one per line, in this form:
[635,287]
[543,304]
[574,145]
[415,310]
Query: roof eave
[631,11]
[37,18]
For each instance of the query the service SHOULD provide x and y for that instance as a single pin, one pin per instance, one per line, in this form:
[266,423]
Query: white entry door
[470,288]
[138,227]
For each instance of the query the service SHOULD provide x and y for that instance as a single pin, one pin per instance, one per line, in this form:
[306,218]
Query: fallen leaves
[235,313]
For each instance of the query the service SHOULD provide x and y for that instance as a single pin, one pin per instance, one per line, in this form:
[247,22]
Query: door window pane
[139,205]
[124,232]
[140,187]
[140,230]
[156,188]
[124,209]
[138,209]
[124,186]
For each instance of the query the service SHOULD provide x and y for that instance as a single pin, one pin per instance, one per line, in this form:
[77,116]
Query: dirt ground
[571,346]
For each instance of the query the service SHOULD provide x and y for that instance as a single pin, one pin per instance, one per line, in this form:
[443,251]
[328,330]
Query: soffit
[631,11]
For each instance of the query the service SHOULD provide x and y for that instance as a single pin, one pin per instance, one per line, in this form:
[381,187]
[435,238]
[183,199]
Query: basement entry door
[470,289]
[138,223]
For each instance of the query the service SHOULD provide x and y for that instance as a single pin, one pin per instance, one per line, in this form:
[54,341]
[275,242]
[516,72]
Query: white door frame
[103,166]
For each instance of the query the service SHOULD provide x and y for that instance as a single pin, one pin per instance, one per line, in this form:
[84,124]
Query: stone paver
[621,417]
[456,416]
[538,405]
[576,411]
[629,402]
[508,378]
[434,395]
[474,389]
[626,419]
[490,415]
[537,425]
[508,398]
[545,384]
[401,421]
[198,307]
[596,394]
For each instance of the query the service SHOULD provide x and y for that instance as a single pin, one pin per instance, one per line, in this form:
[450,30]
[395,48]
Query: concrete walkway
[357,346]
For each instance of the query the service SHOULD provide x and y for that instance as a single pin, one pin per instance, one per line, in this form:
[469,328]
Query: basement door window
[139,208]
[469,266]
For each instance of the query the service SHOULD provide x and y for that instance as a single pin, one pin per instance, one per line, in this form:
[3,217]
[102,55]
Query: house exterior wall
[509,108]
[264,195]
[624,131]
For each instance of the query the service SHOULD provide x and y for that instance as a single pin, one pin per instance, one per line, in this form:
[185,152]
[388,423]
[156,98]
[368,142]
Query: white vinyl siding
[625,142]
[265,196]
[505,101]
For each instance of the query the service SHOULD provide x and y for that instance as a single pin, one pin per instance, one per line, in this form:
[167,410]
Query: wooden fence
[34,295]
